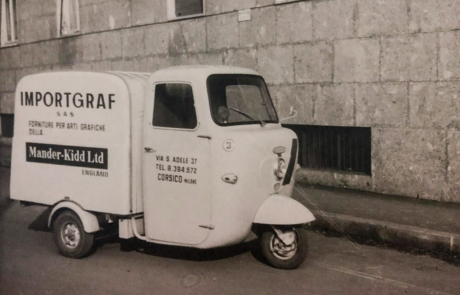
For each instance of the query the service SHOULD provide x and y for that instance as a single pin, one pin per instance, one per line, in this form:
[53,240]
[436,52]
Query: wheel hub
[71,235]
[281,250]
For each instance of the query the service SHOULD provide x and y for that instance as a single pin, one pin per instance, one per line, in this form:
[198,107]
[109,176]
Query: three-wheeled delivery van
[188,156]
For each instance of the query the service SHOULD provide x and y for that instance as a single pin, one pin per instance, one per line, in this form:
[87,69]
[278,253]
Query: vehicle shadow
[110,237]
[41,222]
[179,252]
[192,254]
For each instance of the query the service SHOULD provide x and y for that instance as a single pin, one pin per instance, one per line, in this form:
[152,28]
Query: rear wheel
[70,237]
[285,256]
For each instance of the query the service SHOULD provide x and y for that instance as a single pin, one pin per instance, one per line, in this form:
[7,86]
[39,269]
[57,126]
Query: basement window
[9,24]
[346,149]
[185,8]
[7,122]
[68,17]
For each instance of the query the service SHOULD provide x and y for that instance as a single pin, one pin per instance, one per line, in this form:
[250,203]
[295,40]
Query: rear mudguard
[281,210]
[90,222]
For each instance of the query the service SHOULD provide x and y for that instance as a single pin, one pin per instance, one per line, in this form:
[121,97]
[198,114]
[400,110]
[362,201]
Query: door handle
[149,150]
[230,178]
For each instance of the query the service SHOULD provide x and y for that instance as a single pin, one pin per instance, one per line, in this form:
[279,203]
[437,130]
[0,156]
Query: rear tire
[70,237]
[281,256]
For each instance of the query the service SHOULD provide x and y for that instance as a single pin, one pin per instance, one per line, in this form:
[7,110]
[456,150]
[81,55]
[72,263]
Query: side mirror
[292,114]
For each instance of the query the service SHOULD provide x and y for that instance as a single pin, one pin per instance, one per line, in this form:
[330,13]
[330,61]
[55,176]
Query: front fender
[90,223]
[281,210]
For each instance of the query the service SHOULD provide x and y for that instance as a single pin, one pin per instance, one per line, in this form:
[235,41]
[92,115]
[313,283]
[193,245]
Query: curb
[391,233]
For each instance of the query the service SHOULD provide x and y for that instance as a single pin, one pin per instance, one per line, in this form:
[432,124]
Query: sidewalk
[399,221]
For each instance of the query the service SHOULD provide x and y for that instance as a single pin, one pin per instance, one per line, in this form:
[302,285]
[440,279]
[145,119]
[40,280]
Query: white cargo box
[77,137]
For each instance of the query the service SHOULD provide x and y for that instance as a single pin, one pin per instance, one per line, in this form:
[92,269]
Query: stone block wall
[390,65]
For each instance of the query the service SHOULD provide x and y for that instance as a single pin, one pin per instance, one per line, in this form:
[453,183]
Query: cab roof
[207,69]
[188,73]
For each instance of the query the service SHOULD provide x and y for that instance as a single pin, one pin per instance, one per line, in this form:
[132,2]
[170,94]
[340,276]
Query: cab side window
[174,106]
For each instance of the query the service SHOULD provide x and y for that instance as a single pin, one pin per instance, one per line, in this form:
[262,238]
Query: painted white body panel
[252,160]
[281,210]
[125,228]
[90,223]
[174,211]
[49,183]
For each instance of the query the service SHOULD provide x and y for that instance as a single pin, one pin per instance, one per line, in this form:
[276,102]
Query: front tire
[284,256]
[70,237]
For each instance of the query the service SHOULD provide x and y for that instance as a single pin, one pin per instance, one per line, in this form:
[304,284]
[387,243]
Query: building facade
[385,74]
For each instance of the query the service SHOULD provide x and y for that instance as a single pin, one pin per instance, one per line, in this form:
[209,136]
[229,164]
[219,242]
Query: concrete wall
[390,65]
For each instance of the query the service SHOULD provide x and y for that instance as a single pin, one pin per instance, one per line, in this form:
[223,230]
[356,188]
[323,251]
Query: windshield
[240,99]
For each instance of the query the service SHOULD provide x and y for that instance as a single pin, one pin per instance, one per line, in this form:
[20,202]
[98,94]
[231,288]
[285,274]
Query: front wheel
[70,237]
[285,255]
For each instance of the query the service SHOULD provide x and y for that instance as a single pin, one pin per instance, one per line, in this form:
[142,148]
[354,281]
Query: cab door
[176,172]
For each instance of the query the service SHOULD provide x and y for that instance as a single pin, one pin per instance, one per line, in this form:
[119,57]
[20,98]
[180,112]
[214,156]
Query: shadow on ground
[182,253]
[41,222]
[192,254]
[110,236]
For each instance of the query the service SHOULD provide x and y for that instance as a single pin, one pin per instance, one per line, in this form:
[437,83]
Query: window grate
[188,7]
[7,124]
[334,148]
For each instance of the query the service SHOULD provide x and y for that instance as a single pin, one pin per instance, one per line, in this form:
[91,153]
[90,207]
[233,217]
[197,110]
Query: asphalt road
[4,185]
[30,264]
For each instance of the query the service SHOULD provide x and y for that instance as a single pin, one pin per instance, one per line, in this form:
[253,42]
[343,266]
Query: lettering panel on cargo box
[67,155]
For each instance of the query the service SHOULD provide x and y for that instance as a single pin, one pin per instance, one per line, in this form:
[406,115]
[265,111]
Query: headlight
[280,169]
